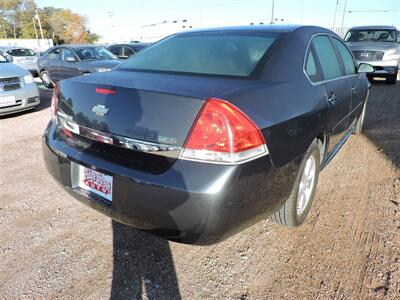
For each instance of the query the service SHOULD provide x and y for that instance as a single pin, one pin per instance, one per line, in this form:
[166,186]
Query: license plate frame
[7,101]
[94,181]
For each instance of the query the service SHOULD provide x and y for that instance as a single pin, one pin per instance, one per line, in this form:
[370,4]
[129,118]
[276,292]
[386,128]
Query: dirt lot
[52,246]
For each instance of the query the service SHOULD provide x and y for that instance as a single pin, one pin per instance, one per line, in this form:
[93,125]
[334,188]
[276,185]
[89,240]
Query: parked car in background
[208,131]
[378,46]
[24,57]
[67,61]
[123,51]
[18,91]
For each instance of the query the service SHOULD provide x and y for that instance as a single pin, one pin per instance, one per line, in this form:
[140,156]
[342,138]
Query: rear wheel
[45,77]
[296,208]
[392,79]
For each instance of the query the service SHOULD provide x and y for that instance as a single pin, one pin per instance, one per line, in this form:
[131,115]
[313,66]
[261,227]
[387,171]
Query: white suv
[378,46]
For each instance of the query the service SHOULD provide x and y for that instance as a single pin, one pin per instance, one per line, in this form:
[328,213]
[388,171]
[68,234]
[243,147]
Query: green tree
[62,25]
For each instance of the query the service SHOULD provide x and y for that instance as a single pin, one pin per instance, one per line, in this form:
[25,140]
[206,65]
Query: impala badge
[100,110]
[364,54]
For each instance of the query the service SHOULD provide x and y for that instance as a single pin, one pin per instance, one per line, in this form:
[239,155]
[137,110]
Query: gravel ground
[52,246]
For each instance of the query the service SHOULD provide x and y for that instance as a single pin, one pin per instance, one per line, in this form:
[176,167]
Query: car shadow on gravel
[382,123]
[143,264]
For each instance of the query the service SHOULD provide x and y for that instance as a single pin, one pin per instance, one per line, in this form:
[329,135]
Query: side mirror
[10,58]
[365,68]
[71,59]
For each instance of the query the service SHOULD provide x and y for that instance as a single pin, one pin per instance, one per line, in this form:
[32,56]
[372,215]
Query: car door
[337,87]
[69,68]
[53,64]
[357,84]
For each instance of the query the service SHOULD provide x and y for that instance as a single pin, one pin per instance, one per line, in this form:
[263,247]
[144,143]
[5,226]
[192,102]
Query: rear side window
[327,57]
[210,53]
[311,67]
[347,58]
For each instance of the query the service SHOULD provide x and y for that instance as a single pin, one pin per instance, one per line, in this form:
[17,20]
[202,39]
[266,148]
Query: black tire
[358,128]
[288,215]
[45,77]
[392,79]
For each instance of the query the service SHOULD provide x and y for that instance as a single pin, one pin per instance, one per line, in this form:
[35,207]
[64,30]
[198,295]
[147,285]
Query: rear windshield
[380,35]
[211,53]
[21,52]
[94,53]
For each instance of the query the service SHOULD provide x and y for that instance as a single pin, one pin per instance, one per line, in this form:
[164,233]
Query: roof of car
[11,47]
[131,44]
[301,29]
[373,27]
[80,45]
[283,28]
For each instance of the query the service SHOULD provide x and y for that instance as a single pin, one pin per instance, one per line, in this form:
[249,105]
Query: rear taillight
[223,134]
[54,101]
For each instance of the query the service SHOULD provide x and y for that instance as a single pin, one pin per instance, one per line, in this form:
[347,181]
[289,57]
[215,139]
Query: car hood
[102,63]
[11,70]
[372,46]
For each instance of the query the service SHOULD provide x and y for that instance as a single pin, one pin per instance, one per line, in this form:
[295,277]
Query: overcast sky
[121,20]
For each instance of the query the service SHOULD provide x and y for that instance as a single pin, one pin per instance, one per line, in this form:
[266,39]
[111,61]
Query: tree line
[24,19]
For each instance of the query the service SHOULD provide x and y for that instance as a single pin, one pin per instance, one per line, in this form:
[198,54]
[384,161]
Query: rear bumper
[27,98]
[191,202]
[383,68]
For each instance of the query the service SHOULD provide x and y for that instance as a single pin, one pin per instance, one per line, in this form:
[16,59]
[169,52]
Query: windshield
[94,53]
[211,53]
[378,35]
[3,59]
[21,52]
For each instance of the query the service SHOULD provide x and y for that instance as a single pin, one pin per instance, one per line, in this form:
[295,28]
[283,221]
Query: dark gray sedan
[209,131]
[67,61]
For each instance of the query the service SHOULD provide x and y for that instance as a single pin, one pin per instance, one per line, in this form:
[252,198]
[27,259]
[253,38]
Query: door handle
[354,89]
[332,99]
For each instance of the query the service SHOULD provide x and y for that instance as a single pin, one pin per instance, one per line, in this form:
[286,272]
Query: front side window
[128,51]
[67,53]
[327,57]
[347,58]
[116,50]
[55,54]
[94,53]
[21,52]
[376,35]
[208,53]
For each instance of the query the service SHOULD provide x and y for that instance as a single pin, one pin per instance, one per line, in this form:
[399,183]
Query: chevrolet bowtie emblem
[100,110]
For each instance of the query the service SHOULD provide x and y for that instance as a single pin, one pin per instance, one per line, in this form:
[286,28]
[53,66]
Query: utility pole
[344,14]
[4,29]
[272,12]
[40,24]
[334,17]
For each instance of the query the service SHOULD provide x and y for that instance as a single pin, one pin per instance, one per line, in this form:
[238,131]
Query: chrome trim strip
[119,141]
